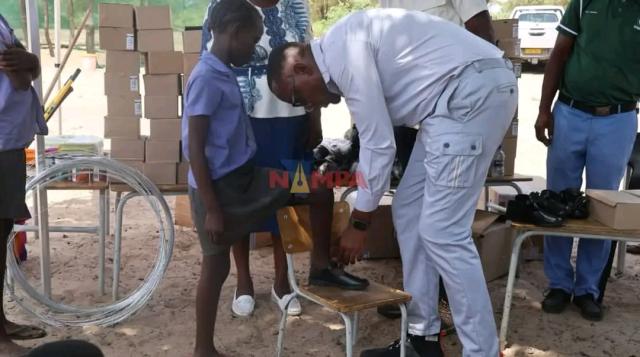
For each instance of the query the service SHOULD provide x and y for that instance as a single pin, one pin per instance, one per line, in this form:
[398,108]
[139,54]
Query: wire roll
[58,314]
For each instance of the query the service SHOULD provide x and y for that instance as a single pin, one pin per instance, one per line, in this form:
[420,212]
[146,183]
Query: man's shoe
[589,308]
[556,301]
[417,346]
[338,278]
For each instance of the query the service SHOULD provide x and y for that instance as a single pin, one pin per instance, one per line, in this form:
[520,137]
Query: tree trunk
[47,35]
[72,27]
[23,14]
[91,30]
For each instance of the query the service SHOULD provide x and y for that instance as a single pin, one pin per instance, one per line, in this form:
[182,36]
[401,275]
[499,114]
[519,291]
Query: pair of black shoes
[557,301]
[416,346]
[548,208]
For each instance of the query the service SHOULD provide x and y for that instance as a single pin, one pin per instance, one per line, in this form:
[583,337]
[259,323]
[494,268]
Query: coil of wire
[59,314]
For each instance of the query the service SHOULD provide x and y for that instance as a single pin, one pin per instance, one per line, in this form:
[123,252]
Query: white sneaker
[242,305]
[294,308]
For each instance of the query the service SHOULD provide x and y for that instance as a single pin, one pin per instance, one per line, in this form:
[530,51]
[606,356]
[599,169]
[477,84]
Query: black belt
[595,110]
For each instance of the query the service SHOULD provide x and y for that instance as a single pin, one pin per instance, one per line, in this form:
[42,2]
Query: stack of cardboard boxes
[122,83]
[506,33]
[158,156]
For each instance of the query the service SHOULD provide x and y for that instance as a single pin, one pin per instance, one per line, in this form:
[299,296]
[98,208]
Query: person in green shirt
[595,70]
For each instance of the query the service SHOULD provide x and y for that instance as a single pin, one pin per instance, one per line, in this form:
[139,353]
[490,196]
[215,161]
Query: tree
[47,35]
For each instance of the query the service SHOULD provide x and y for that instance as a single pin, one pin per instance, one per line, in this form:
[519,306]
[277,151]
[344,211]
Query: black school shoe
[417,346]
[556,301]
[529,209]
[589,308]
[338,278]
[577,203]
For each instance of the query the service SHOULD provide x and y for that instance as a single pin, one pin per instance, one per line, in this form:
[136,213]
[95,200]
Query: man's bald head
[281,57]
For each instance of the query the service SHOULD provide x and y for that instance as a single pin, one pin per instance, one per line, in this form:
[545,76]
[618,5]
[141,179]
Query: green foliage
[336,12]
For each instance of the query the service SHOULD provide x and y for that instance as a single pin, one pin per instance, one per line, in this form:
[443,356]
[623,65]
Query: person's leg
[565,164]
[280,283]
[241,259]
[420,277]
[611,140]
[321,216]
[215,269]
[460,140]
[7,346]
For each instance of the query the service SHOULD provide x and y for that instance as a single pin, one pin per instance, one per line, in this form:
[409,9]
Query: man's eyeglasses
[295,101]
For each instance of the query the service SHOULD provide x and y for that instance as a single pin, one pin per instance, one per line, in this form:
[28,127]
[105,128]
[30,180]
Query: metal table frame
[120,203]
[101,229]
[524,233]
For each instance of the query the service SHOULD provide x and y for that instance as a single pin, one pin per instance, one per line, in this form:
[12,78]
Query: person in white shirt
[406,68]
[472,14]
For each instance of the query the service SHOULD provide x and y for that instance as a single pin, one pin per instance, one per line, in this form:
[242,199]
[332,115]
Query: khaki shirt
[456,11]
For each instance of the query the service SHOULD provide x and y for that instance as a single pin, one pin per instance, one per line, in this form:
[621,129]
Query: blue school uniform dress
[242,189]
[280,129]
[21,118]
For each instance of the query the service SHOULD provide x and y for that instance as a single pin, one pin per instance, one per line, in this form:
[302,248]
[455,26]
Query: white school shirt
[456,11]
[391,65]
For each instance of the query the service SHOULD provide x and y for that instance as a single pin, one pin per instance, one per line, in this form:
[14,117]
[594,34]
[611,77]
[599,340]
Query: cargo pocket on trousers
[452,159]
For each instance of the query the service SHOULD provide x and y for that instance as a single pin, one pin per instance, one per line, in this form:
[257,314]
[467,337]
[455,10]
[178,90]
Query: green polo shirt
[604,66]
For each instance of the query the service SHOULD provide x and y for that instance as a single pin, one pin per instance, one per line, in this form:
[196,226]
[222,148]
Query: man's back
[418,52]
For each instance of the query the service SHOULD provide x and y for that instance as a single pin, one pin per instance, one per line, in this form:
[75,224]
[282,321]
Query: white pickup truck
[537,30]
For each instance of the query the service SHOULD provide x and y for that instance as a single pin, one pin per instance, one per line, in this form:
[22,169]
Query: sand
[165,327]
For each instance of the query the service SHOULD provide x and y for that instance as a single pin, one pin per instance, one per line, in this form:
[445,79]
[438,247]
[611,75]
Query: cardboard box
[127,149]
[512,130]
[494,241]
[506,28]
[160,107]
[509,146]
[117,39]
[121,127]
[182,212]
[126,62]
[170,62]
[183,173]
[190,60]
[511,47]
[156,17]
[162,151]
[616,209]
[136,165]
[160,173]
[192,41]
[155,40]
[121,84]
[124,106]
[165,129]
[116,15]
[162,85]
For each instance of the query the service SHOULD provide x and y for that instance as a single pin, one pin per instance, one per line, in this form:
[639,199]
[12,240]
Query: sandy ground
[166,326]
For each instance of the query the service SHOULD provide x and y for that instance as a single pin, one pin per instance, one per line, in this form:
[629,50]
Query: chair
[631,182]
[294,225]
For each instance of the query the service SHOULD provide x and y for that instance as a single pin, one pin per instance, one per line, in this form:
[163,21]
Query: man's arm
[480,25]
[20,66]
[552,75]
[475,16]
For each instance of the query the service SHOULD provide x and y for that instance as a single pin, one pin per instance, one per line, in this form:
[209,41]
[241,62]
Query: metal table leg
[622,254]
[101,234]
[513,267]
[118,241]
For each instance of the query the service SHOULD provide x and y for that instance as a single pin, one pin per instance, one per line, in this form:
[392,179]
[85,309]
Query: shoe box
[494,241]
[615,209]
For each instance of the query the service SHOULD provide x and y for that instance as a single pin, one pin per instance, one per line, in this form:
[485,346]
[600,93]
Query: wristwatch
[359,225]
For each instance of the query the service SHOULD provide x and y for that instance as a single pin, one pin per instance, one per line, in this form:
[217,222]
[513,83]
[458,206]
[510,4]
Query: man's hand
[17,60]
[214,225]
[351,246]
[314,139]
[544,127]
